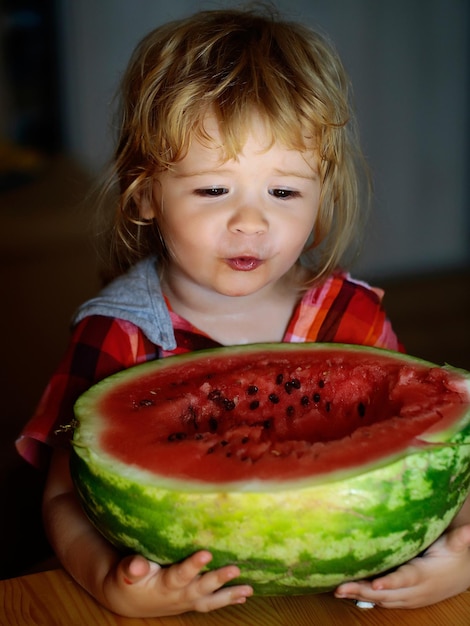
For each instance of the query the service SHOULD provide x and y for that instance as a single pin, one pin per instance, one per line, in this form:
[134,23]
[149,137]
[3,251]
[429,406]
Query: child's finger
[223,597]
[134,568]
[181,574]
[211,581]
[458,539]
[352,590]
[405,576]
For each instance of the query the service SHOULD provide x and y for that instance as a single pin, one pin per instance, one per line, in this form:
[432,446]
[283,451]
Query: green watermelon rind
[311,537]
[349,532]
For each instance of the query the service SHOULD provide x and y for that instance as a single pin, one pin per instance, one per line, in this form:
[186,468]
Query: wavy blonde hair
[231,62]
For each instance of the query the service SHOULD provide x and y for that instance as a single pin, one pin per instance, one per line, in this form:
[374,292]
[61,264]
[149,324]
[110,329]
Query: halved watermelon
[305,464]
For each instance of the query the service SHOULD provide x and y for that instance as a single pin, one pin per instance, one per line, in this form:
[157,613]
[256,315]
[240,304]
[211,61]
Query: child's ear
[148,199]
[144,199]
[146,208]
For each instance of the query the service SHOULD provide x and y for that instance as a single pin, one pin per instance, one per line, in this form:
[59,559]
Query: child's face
[236,227]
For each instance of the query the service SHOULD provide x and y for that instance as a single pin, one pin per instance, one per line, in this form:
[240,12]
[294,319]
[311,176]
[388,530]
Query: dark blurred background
[60,62]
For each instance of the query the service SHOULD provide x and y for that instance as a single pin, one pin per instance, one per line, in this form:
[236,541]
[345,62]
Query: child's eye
[284,194]
[212,192]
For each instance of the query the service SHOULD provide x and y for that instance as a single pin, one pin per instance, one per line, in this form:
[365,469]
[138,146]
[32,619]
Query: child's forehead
[258,149]
[255,127]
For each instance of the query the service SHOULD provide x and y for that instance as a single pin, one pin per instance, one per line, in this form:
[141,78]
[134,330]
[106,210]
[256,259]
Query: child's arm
[443,571]
[131,586]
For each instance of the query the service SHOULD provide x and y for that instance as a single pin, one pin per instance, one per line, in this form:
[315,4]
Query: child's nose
[248,220]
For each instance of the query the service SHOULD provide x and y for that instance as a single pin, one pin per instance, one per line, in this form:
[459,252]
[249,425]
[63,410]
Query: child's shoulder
[135,297]
[341,283]
[342,309]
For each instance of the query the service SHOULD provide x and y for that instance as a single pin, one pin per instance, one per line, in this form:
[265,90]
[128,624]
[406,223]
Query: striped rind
[291,539]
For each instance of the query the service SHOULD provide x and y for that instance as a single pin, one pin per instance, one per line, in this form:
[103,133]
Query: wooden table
[53,599]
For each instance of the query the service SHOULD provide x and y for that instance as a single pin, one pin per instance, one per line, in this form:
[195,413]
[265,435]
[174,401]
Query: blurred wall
[408,60]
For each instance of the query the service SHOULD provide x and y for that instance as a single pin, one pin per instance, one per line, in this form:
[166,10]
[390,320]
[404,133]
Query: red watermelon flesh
[264,416]
[304,464]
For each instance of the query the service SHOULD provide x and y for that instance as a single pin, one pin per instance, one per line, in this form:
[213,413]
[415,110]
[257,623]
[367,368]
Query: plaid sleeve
[99,346]
[343,310]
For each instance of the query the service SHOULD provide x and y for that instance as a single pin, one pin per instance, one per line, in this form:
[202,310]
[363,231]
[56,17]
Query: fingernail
[362,604]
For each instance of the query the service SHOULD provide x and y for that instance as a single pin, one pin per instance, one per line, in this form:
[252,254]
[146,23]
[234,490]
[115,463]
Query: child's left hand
[441,572]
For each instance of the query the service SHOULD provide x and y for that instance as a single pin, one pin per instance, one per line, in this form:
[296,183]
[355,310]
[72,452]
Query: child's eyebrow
[308,175]
[194,173]
[312,173]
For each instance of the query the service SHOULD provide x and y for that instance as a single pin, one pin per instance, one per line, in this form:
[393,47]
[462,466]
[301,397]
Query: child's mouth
[244,263]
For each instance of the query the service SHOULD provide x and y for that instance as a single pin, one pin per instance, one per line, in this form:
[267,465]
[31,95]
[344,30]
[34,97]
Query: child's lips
[244,263]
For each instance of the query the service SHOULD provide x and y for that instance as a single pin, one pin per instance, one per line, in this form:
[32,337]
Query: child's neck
[262,316]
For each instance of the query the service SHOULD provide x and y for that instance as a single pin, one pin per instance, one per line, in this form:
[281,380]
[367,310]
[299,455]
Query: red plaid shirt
[340,310]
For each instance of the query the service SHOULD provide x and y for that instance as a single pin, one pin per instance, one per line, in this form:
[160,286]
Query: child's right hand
[136,587]
[131,586]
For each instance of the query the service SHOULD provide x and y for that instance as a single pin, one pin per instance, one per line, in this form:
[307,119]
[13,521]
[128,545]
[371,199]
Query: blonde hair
[231,62]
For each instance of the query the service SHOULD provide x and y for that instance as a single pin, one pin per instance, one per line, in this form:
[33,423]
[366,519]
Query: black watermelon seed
[267,423]
[210,450]
[290,411]
[245,439]
[214,394]
[361,409]
[295,382]
[224,443]
[305,401]
[176,436]
[146,402]
[328,407]
[213,424]
[191,411]
[229,405]
[288,387]
[321,383]
[279,379]
[252,390]
[316,397]
[190,415]
[254,405]
[274,398]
